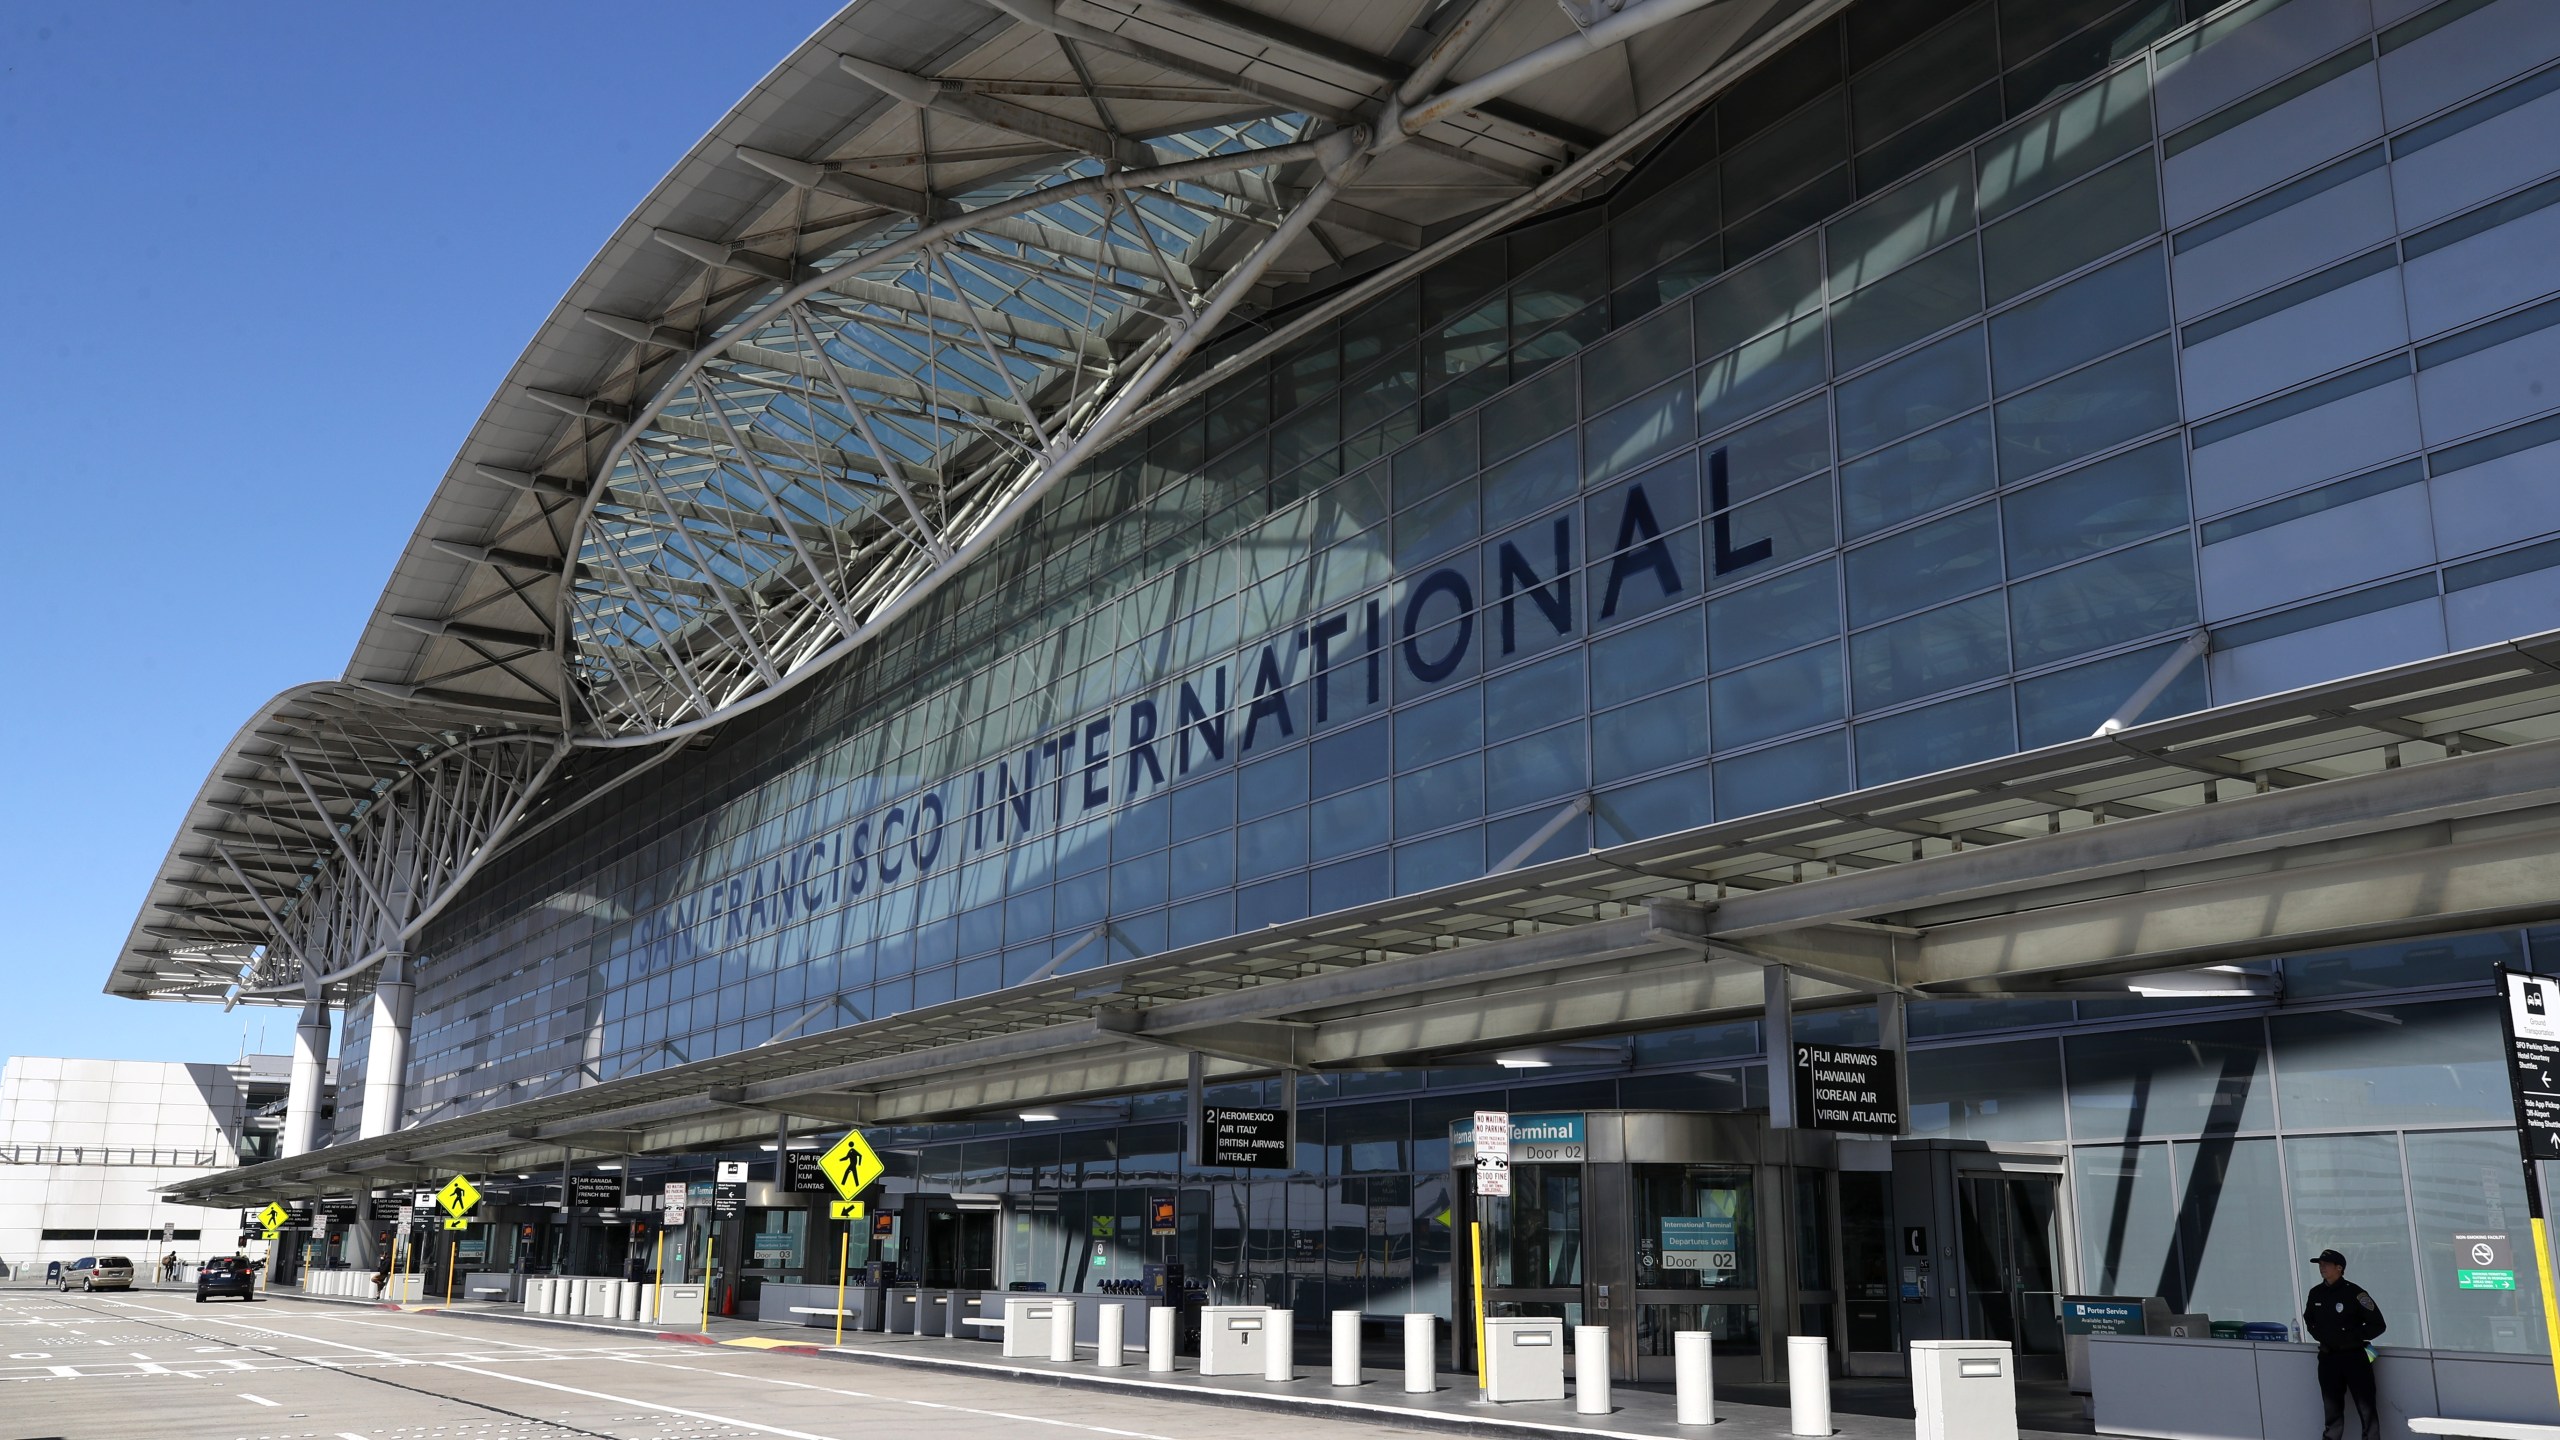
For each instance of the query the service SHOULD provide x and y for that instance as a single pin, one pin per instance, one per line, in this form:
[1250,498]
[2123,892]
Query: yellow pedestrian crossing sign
[273,1218]
[845,1210]
[850,1164]
[458,1196]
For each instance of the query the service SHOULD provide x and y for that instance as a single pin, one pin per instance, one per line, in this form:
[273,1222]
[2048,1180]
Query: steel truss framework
[996,273]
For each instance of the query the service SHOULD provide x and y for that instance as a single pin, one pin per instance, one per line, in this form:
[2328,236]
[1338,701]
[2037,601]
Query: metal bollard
[1591,1370]
[1161,1320]
[1107,1337]
[1808,1385]
[1694,1376]
[1062,1330]
[1420,1333]
[1279,1362]
[1346,1347]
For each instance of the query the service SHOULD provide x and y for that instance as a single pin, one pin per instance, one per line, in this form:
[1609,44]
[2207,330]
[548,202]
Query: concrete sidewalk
[1379,1398]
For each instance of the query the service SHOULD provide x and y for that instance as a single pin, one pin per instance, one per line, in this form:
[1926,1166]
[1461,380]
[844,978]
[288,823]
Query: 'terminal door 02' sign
[1847,1087]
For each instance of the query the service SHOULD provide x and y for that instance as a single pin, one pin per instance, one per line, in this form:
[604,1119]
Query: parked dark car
[226,1275]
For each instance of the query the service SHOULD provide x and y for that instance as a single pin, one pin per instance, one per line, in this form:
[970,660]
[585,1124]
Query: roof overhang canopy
[939,258]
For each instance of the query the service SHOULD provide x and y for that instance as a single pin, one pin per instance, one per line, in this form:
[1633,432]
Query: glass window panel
[1433,461]
[1759,297]
[2057,236]
[1530,412]
[1930,296]
[2183,1080]
[2402,1065]
[1440,796]
[1445,860]
[2087,411]
[1636,433]
[1768,453]
[2101,311]
[2127,1217]
[1274,784]
[1794,692]
[1943,649]
[1770,533]
[1890,231]
[1936,383]
[1924,565]
[1761,373]
[1435,526]
[2124,596]
[1268,847]
[1636,358]
[2470,1184]
[1529,698]
[1439,728]
[2233,1262]
[1782,775]
[1987,1092]
[1760,620]
[2069,704]
[1659,806]
[1665,225]
[1644,658]
[1921,474]
[1776,161]
[2349,1195]
[1540,767]
[1649,734]
[1203,865]
[1949,60]
[1352,821]
[2120,499]
[1935,737]
[1350,757]
[2411,964]
[2054,147]
[1531,481]
[1641,542]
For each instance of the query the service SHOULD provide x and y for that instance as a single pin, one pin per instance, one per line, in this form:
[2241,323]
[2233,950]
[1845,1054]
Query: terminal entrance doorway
[1654,1222]
[957,1240]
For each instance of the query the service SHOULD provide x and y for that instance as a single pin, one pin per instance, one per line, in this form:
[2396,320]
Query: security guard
[2342,1319]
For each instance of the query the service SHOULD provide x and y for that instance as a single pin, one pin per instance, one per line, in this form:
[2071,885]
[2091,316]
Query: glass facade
[1906,408]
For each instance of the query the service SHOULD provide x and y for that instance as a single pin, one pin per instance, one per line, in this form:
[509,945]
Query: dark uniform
[2342,1318]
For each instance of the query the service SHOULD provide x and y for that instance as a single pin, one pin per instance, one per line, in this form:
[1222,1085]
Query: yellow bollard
[658,1292]
[1475,1247]
[844,1258]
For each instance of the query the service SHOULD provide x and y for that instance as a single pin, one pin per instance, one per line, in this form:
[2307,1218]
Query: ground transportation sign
[2531,1019]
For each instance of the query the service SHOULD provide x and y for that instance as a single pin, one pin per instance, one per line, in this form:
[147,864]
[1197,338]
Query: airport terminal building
[1079,562]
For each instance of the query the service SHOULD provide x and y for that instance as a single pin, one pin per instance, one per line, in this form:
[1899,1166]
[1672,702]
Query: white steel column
[303,1083]
[386,1063]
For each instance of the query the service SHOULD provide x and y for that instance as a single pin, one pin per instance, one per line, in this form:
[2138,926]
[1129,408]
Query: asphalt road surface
[155,1365]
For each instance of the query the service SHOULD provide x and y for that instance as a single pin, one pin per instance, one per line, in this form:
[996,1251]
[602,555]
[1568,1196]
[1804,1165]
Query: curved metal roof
[940,256]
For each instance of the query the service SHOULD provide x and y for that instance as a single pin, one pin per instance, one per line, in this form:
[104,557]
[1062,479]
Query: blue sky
[260,268]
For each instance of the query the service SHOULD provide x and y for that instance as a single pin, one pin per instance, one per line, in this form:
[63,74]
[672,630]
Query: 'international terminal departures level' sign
[1244,1139]
[2531,1019]
[1849,1088]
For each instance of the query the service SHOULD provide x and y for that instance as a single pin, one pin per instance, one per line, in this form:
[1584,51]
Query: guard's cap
[2328,1257]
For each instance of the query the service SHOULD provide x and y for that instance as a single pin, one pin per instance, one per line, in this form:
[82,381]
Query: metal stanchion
[1279,1361]
[1694,1376]
[1108,1337]
[1808,1385]
[1591,1370]
[1420,1331]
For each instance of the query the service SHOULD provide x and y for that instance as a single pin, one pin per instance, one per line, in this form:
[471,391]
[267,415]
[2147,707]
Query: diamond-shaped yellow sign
[845,1210]
[850,1164]
[458,1196]
[273,1218]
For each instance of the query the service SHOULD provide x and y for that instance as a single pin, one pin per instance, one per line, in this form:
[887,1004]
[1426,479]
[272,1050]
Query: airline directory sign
[2531,1020]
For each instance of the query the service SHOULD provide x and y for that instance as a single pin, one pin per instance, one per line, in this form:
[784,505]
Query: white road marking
[259,1400]
[920,1404]
[643,1404]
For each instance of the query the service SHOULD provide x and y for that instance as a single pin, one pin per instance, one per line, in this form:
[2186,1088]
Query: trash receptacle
[1523,1358]
[1234,1339]
[1026,1326]
[1964,1390]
